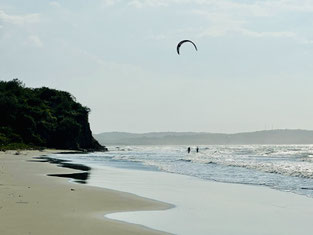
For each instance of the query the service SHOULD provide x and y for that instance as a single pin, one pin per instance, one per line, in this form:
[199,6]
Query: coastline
[211,207]
[33,203]
[130,201]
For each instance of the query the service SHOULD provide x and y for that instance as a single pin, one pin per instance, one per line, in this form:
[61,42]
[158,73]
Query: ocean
[281,167]
[243,203]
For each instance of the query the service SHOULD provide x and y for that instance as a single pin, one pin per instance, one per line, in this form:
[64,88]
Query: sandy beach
[33,203]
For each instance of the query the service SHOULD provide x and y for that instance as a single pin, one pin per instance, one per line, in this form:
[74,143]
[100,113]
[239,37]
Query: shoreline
[31,202]
[129,201]
[211,207]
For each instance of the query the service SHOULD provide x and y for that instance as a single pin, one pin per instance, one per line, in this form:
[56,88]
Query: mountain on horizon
[281,136]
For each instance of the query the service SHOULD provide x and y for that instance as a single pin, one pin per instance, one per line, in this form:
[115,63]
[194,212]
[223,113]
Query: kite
[182,42]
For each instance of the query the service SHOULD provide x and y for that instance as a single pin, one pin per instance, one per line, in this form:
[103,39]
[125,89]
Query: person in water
[197,149]
[188,150]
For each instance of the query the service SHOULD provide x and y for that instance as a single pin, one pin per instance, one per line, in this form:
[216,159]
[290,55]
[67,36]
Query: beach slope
[33,203]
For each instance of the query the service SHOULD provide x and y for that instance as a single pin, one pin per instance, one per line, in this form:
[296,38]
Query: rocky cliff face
[86,140]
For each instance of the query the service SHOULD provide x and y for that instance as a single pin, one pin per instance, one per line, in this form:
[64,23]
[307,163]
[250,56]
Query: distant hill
[194,138]
[43,117]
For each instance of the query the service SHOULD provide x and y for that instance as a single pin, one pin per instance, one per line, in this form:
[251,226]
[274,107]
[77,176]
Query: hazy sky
[253,68]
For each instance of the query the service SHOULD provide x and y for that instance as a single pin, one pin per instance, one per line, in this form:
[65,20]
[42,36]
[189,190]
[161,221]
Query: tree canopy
[43,117]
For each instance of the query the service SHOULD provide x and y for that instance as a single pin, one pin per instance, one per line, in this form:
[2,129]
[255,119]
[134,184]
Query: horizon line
[203,132]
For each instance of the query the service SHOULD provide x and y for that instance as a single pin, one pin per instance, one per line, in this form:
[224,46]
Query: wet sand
[33,203]
[206,207]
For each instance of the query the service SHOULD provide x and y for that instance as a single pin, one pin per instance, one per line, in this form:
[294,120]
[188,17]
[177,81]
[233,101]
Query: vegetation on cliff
[43,117]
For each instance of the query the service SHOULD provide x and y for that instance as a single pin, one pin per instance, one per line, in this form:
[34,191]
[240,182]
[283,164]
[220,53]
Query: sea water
[172,175]
[282,167]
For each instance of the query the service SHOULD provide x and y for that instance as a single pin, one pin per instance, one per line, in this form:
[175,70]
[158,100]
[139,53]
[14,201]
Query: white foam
[292,165]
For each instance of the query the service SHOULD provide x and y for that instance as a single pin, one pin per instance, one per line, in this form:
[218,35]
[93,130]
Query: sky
[252,71]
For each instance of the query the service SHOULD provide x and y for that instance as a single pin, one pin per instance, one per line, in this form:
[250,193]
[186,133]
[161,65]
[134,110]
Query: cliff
[43,117]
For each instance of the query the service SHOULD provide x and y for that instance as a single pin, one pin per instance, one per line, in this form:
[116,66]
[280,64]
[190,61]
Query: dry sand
[33,203]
